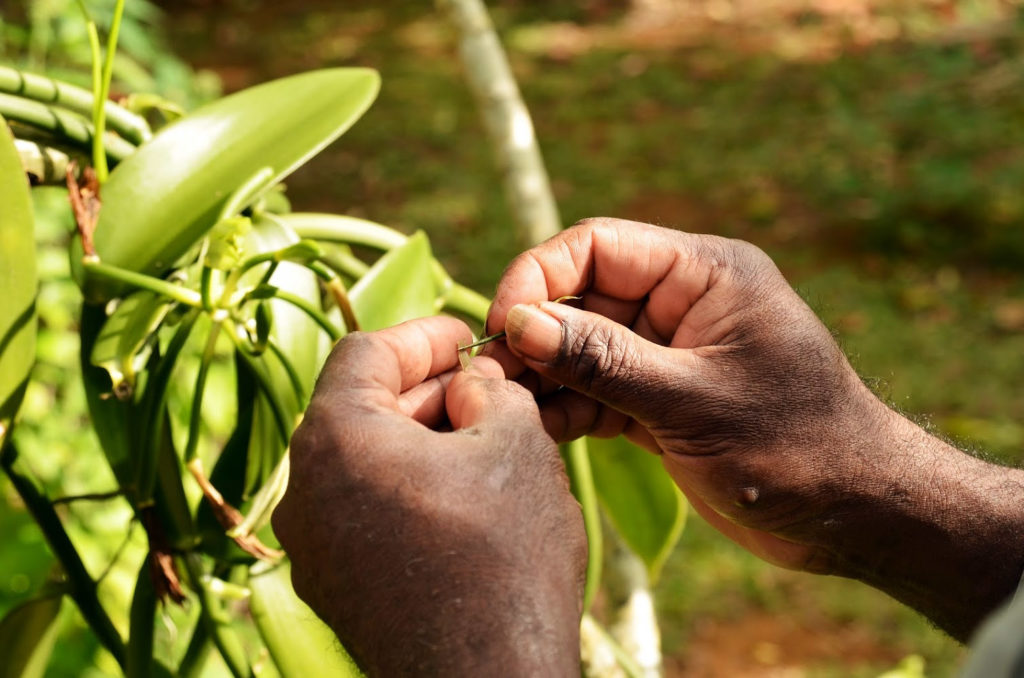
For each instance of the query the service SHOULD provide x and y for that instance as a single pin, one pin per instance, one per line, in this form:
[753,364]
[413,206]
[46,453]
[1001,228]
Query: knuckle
[743,262]
[599,357]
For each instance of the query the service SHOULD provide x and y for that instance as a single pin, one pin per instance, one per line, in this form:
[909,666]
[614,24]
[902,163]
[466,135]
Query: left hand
[433,552]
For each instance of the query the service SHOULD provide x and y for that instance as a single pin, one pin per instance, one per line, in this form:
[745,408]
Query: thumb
[596,356]
[475,398]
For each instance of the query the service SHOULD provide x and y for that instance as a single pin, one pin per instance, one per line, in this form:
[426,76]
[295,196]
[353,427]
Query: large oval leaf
[163,198]
[398,287]
[300,644]
[639,498]
[17,282]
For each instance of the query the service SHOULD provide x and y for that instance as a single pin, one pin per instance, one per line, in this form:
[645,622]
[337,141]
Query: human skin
[428,515]
[696,348]
[406,542]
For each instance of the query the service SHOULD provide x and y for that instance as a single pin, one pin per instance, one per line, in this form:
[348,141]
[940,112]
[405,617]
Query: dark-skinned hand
[428,516]
[696,348]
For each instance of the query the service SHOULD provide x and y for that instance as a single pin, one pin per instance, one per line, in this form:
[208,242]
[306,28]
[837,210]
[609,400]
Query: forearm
[934,527]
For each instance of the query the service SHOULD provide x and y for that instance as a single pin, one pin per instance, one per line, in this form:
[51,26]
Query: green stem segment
[214,618]
[94,266]
[153,411]
[352,231]
[141,623]
[293,375]
[81,585]
[194,661]
[284,426]
[99,120]
[577,462]
[196,413]
[42,89]
[307,308]
[63,124]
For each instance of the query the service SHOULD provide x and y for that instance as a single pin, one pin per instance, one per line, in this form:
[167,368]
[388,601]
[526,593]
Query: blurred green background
[875,148]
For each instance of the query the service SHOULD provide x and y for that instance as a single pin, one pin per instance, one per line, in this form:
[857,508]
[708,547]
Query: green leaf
[639,498]
[126,340]
[114,421]
[18,281]
[398,287]
[27,635]
[300,644]
[162,199]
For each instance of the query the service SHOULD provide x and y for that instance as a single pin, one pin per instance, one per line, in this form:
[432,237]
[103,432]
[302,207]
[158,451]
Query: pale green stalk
[196,413]
[100,110]
[174,292]
[577,461]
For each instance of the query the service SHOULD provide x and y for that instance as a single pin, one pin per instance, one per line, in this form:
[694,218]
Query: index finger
[618,259]
[377,367]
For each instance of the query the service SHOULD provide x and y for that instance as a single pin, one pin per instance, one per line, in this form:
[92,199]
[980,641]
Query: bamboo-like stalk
[43,164]
[46,90]
[506,119]
[63,124]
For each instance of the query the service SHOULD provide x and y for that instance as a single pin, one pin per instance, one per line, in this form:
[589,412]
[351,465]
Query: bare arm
[696,348]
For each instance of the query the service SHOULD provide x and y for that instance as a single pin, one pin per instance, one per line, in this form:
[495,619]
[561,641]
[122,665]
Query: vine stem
[100,110]
[196,414]
[284,428]
[97,82]
[42,89]
[62,123]
[195,655]
[319,318]
[212,616]
[581,477]
[289,368]
[81,585]
[353,231]
[94,266]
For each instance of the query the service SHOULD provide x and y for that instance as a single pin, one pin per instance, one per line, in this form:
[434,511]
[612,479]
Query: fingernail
[533,333]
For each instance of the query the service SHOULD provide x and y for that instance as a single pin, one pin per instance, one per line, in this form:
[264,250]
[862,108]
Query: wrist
[524,626]
[934,527]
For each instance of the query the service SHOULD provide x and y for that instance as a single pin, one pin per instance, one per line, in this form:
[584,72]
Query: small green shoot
[463,351]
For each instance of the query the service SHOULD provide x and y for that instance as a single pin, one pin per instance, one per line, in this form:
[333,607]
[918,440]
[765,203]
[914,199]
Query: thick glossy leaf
[17,282]
[398,287]
[300,644]
[114,421]
[27,636]
[159,201]
[639,498]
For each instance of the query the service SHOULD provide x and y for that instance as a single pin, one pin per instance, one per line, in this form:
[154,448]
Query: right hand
[696,348]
